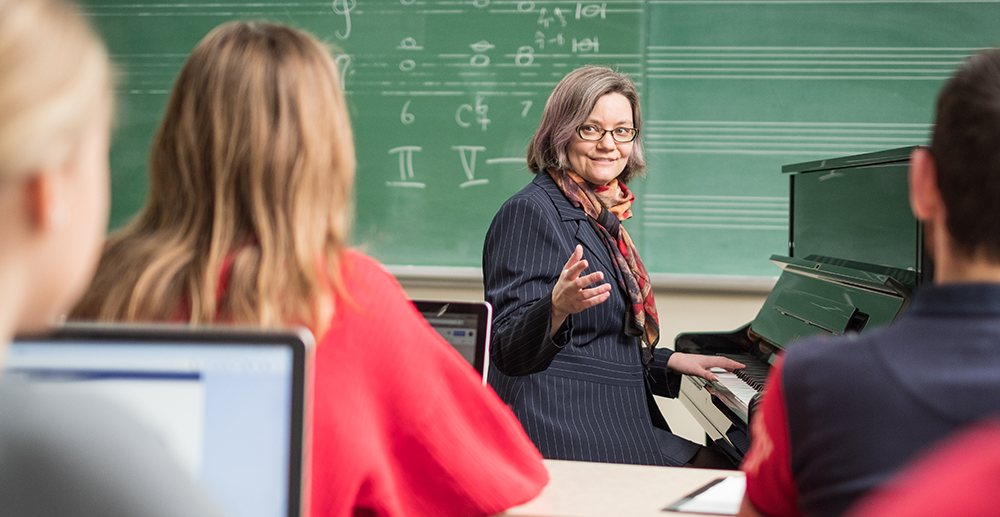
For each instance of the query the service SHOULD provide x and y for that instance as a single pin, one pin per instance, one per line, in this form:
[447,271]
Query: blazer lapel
[576,219]
[593,242]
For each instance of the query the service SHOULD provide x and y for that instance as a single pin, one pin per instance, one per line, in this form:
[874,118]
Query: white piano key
[743,391]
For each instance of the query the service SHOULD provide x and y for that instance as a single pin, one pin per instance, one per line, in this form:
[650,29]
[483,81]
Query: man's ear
[46,207]
[925,195]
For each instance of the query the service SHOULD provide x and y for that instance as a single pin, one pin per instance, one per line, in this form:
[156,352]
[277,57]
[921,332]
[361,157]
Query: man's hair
[966,149]
[569,105]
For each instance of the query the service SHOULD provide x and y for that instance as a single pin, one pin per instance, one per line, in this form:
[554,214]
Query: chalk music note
[586,45]
[345,7]
[592,10]
[481,59]
[482,46]
[409,44]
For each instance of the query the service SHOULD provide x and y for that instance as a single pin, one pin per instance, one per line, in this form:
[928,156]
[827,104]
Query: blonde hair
[253,163]
[54,77]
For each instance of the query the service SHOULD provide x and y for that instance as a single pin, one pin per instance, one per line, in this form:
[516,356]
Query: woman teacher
[575,326]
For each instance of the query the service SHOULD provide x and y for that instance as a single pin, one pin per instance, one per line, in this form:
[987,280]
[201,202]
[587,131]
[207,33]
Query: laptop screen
[465,325]
[228,404]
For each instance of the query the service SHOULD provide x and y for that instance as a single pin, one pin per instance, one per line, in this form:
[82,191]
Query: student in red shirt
[251,177]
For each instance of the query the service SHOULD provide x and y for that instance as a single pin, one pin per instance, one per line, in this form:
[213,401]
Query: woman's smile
[601,161]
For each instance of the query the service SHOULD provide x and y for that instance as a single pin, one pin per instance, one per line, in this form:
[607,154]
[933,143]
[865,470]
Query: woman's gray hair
[569,106]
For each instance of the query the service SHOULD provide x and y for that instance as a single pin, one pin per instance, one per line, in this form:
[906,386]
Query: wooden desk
[584,489]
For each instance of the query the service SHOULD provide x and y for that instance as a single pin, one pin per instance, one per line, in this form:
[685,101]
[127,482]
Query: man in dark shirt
[842,415]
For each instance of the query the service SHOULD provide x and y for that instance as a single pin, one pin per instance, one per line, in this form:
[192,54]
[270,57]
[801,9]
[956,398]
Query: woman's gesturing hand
[700,365]
[572,293]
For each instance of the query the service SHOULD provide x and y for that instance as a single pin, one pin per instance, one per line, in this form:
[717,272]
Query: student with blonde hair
[251,177]
[63,455]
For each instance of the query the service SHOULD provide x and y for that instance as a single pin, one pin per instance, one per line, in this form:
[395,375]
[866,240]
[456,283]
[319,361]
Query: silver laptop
[229,403]
[466,325]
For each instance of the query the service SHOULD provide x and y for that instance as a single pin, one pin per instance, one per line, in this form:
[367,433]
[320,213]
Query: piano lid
[832,296]
[856,208]
[855,251]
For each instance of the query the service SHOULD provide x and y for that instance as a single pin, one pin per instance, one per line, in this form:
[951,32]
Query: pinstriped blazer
[583,394]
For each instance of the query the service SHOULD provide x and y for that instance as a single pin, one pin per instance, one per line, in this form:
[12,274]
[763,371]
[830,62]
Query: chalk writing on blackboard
[545,18]
[468,153]
[586,45]
[406,117]
[591,10]
[405,167]
[479,111]
[513,159]
[343,63]
[481,59]
[409,44]
[344,7]
[525,56]
[541,39]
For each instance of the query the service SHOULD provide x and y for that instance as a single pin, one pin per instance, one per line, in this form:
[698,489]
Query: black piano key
[754,371]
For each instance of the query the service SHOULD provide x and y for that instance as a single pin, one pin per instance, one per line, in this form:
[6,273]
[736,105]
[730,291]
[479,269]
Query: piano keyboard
[737,386]
[745,382]
[723,407]
[754,373]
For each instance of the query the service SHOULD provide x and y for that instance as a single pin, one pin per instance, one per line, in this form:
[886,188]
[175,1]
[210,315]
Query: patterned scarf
[606,207]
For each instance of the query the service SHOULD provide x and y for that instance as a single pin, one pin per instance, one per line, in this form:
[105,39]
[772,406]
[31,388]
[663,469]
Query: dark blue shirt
[859,407]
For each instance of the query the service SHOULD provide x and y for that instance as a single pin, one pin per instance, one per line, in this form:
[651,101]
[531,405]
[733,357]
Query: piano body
[855,256]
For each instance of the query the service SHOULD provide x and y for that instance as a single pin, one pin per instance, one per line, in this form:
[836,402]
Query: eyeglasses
[622,135]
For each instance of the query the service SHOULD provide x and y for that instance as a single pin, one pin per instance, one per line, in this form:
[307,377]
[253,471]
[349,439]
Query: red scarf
[606,207]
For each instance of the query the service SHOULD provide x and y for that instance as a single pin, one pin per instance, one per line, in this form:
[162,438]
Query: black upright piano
[855,256]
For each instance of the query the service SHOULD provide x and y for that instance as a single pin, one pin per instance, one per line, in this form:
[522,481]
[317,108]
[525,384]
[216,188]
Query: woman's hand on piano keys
[700,365]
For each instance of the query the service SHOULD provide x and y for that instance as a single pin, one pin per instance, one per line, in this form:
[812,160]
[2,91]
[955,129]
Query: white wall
[680,311]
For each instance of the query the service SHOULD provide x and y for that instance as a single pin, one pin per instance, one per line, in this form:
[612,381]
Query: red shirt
[402,424]
[768,464]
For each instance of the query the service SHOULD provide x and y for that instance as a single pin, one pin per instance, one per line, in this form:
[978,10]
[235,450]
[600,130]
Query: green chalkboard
[445,94]
[444,97]
[737,89]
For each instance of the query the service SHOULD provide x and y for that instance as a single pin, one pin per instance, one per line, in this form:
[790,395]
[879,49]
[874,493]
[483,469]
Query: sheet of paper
[720,497]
